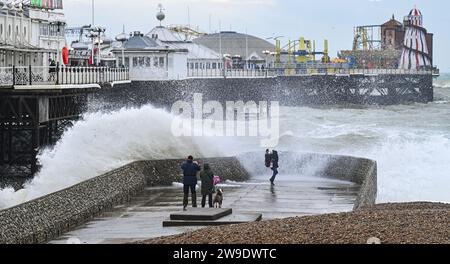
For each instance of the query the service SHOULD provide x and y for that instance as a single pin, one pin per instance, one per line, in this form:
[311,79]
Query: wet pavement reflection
[142,217]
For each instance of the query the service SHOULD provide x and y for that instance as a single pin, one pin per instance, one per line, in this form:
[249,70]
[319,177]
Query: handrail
[278,72]
[54,75]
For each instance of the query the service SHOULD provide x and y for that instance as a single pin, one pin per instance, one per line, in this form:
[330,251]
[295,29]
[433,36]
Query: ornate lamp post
[92,35]
[122,38]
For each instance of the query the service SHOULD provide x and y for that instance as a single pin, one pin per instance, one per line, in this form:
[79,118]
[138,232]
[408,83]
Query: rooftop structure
[381,46]
[416,52]
[150,59]
[247,47]
[164,47]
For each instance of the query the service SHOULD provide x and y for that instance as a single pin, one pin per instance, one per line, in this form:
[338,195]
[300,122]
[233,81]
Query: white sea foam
[104,141]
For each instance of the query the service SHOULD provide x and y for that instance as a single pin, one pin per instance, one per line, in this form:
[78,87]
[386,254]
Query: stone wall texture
[48,217]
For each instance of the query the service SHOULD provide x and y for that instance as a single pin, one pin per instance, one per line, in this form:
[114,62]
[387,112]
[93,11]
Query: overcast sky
[314,19]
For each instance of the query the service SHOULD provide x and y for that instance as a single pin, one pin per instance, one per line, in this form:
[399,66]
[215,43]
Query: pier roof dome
[234,43]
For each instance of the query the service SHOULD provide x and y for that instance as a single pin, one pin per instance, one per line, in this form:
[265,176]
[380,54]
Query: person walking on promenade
[190,170]
[271,161]
[207,176]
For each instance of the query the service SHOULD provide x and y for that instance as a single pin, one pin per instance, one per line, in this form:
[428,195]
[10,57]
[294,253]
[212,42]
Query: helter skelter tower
[415,53]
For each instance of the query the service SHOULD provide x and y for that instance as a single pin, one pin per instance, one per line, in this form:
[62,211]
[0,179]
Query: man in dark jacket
[190,170]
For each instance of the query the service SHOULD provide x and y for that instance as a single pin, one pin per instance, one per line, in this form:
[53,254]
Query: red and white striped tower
[415,49]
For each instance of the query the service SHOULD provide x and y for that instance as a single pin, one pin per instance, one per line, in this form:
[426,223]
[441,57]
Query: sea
[410,142]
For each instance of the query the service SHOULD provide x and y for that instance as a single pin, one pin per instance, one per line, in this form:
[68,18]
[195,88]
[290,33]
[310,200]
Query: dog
[218,199]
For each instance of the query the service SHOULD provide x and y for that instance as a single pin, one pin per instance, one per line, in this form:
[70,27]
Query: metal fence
[38,75]
[275,72]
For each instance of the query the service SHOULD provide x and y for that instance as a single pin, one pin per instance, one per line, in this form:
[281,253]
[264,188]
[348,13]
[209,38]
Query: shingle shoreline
[400,223]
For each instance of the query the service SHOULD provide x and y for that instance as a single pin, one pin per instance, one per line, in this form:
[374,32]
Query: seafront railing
[52,75]
[277,72]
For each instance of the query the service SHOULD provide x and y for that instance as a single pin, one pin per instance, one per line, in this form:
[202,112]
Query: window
[155,62]
[1,30]
[9,31]
[208,65]
[161,62]
[196,65]
[148,62]
[214,65]
[44,29]
[135,62]
[24,32]
[141,61]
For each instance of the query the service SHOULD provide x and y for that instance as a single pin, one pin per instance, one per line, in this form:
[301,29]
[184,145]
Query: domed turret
[415,17]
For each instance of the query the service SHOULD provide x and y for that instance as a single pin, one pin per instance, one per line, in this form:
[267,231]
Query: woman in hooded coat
[206,176]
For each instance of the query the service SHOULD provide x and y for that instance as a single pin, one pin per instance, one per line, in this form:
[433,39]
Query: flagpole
[93,39]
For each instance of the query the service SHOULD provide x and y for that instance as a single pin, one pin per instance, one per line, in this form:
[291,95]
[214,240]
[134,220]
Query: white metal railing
[45,75]
[274,72]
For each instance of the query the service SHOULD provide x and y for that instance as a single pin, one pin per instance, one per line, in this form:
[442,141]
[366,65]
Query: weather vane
[160,15]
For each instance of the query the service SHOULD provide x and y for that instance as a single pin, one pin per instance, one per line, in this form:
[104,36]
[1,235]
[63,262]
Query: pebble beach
[398,223]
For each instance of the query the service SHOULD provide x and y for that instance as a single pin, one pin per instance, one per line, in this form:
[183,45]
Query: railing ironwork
[276,72]
[53,75]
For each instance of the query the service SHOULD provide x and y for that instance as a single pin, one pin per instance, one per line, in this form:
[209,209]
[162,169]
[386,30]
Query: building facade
[31,34]
[148,60]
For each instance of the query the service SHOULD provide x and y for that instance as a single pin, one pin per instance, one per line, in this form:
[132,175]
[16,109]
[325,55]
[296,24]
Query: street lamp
[92,35]
[99,42]
[58,24]
[95,35]
[122,38]
[267,53]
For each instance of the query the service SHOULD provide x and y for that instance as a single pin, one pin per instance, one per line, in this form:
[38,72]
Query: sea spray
[104,141]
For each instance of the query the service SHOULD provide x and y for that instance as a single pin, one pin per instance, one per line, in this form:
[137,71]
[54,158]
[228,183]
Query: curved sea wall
[358,170]
[48,217]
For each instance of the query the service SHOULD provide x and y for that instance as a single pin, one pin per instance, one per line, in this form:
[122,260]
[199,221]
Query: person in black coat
[271,161]
[190,170]
[206,176]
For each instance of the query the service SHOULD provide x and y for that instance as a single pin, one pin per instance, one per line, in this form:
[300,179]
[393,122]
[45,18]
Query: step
[201,214]
[227,220]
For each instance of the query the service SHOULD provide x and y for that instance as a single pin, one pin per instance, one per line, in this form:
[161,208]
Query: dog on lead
[218,199]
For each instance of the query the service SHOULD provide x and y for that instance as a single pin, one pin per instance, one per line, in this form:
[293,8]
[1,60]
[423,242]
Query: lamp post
[58,24]
[100,41]
[122,38]
[93,40]
[95,35]
[266,53]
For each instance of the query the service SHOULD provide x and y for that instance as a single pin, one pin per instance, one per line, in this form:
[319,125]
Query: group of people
[191,168]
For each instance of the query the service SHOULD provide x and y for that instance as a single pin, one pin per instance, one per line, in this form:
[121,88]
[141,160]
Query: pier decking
[38,103]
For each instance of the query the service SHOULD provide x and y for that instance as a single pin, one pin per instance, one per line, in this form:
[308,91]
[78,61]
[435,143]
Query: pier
[38,103]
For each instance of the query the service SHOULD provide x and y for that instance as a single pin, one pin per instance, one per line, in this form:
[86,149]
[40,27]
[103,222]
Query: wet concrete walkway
[142,217]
